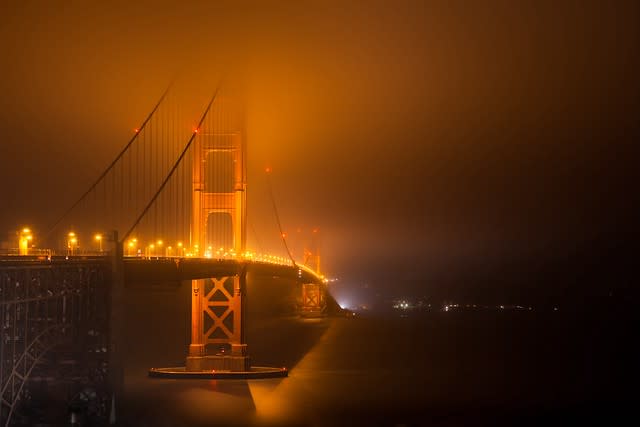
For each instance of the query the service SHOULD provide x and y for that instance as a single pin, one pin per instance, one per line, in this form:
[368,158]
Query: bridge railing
[264,258]
[30,252]
[16,254]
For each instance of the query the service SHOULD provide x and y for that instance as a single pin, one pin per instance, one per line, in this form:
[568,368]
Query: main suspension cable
[173,169]
[113,163]
[275,211]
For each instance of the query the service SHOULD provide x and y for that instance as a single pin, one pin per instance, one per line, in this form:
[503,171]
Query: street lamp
[131,246]
[23,242]
[159,243]
[72,242]
[98,237]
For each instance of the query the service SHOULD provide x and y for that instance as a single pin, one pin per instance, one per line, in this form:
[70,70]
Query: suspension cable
[113,163]
[173,169]
[275,211]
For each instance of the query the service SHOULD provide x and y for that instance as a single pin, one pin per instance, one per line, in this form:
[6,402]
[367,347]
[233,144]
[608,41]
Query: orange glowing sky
[455,130]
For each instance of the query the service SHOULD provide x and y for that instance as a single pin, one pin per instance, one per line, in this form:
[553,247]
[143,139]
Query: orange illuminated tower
[312,252]
[313,294]
[219,189]
[219,176]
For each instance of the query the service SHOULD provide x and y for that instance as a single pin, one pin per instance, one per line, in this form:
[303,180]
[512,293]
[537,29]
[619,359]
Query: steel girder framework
[61,306]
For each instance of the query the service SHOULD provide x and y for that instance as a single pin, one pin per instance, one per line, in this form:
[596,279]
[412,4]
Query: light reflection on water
[372,370]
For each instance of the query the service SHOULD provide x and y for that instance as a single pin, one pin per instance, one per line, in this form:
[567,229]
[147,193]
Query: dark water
[456,368]
[577,365]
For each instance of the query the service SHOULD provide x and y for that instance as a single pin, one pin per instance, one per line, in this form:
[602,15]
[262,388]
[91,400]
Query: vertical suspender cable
[173,169]
[275,210]
[101,177]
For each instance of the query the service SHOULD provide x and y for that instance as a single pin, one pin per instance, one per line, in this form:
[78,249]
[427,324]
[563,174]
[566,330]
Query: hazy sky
[420,137]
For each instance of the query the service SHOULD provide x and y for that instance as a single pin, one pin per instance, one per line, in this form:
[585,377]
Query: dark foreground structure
[54,338]
[573,365]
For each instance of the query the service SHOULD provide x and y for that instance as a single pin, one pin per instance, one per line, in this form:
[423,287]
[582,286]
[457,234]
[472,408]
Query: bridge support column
[196,348]
[116,326]
[313,301]
[217,325]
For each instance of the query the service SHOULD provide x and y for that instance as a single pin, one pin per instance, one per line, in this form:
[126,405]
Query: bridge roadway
[173,270]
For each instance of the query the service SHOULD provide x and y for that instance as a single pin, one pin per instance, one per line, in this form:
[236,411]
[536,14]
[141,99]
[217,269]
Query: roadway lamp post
[131,247]
[24,240]
[72,242]
[98,238]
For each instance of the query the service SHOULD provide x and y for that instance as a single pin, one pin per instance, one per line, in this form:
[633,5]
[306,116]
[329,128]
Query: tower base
[218,363]
[253,373]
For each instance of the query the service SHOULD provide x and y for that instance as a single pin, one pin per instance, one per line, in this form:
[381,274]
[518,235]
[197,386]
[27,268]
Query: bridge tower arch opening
[219,174]
[219,237]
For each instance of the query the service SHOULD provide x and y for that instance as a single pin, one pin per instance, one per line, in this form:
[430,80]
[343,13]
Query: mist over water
[393,366]
[447,152]
[385,368]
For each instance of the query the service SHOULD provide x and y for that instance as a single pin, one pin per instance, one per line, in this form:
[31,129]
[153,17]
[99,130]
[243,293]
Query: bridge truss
[53,305]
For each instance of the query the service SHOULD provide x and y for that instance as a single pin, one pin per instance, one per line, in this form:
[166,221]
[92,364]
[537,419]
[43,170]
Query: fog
[422,140]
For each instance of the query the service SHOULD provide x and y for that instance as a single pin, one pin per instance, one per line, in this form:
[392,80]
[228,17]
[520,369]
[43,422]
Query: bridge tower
[313,294]
[219,190]
[220,177]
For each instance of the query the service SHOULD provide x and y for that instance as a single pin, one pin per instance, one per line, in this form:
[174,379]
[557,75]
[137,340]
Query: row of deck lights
[154,250]
[73,244]
[26,239]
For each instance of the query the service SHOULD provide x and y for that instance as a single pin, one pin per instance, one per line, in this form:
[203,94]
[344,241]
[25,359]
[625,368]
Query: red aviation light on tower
[267,169]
